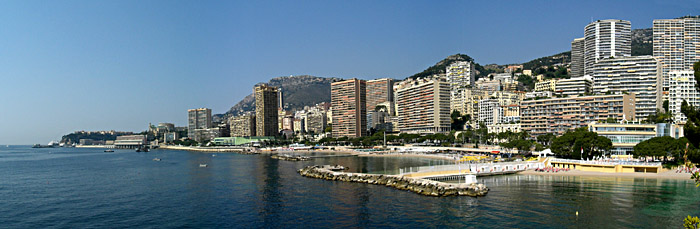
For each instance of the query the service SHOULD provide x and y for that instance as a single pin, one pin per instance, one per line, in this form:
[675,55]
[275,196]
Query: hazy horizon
[119,65]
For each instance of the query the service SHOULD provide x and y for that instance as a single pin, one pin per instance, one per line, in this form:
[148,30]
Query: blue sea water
[88,188]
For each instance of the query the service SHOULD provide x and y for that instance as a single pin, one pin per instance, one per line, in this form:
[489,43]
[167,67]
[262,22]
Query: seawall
[416,185]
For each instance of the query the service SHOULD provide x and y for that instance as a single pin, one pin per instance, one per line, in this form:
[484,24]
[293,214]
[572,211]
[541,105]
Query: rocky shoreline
[416,185]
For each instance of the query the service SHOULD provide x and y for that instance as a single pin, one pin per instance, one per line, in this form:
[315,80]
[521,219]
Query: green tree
[545,139]
[572,143]
[654,147]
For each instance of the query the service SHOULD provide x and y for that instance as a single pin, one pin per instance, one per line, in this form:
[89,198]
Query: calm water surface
[78,188]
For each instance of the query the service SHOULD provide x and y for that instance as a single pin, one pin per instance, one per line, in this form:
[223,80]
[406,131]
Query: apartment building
[557,115]
[640,75]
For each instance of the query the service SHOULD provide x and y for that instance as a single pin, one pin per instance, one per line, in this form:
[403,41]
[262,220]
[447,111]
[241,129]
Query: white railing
[476,168]
[612,163]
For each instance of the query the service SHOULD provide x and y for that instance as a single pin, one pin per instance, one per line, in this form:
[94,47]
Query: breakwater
[416,185]
[287,157]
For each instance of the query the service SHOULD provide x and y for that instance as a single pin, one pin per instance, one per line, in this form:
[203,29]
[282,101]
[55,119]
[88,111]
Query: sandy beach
[671,174]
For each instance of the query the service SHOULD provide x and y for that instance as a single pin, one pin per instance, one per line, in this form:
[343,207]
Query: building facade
[490,112]
[460,74]
[266,110]
[625,136]
[315,122]
[557,115]
[504,127]
[682,87]
[424,106]
[577,50]
[349,102]
[198,119]
[546,85]
[676,44]
[604,39]
[243,125]
[640,75]
[379,91]
[574,86]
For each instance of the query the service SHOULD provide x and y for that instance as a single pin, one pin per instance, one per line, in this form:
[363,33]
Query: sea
[89,188]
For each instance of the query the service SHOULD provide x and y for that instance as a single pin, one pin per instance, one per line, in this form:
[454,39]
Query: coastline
[205,149]
[428,156]
[670,175]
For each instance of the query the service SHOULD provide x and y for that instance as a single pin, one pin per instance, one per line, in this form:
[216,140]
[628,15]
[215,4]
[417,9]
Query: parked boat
[109,150]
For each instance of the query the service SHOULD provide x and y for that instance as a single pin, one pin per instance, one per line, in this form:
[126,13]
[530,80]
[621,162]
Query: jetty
[287,157]
[416,185]
[458,171]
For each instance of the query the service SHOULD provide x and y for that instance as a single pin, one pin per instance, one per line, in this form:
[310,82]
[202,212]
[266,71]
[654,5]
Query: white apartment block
[504,127]
[604,39]
[676,45]
[424,105]
[490,112]
[535,94]
[640,75]
[460,74]
[682,87]
[574,86]
[577,49]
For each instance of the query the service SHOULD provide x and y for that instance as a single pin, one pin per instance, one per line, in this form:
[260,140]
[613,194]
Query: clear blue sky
[102,65]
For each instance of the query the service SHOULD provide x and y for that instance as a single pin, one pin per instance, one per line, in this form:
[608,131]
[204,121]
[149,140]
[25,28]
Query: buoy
[576,213]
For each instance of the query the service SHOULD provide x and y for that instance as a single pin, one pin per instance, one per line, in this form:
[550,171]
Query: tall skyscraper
[424,105]
[198,119]
[379,91]
[604,39]
[676,45]
[640,75]
[349,103]
[577,47]
[266,110]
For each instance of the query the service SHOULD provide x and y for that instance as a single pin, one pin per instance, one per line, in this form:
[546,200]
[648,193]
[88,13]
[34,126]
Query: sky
[119,65]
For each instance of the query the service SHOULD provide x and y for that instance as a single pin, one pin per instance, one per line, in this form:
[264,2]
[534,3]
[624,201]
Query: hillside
[642,42]
[439,67]
[297,92]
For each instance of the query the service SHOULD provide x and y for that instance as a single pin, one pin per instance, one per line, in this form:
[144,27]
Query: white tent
[543,153]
